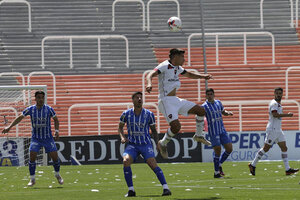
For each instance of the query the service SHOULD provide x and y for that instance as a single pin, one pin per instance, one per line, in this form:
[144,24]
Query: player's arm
[227,113]
[56,126]
[121,133]
[15,122]
[196,75]
[154,133]
[277,115]
[149,77]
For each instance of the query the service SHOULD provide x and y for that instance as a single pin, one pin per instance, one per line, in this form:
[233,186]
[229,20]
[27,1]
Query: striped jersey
[213,113]
[40,120]
[138,126]
[168,77]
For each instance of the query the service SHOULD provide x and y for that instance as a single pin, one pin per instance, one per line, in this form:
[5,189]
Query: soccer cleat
[31,183]
[218,176]
[221,171]
[252,169]
[201,139]
[291,171]
[130,193]
[166,192]
[60,180]
[163,150]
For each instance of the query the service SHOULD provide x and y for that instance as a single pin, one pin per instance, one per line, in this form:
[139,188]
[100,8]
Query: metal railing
[231,33]
[287,80]
[257,102]
[113,12]
[262,13]
[144,86]
[71,37]
[98,105]
[21,1]
[16,115]
[148,10]
[43,73]
[297,13]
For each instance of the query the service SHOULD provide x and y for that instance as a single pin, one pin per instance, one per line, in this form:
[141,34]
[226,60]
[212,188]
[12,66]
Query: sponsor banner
[247,144]
[11,151]
[107,149]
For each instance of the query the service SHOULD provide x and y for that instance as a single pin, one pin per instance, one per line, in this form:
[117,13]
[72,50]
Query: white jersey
[274,124]
[168,78]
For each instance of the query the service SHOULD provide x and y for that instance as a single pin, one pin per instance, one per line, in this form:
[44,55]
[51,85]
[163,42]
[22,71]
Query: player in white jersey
[40,115]
[274,134]
[170,105]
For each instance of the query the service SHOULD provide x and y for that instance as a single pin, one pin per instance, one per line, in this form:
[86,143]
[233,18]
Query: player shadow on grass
[209,198]
[58,187]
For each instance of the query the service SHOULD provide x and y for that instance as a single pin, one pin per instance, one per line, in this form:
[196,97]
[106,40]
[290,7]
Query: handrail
[21,1]
[113,12]
[71,37]
[262,13]
[106,104]
[297,3]
[257,102]
[16,115]
[232,33]
[45,72]
[287,80]
[143,84]
[148,10]
[17,74]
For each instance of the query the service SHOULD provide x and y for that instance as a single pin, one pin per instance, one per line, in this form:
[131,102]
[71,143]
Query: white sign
[246,144]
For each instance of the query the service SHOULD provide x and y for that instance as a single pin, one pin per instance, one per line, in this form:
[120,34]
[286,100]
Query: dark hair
[136,93]
[175,51]
[209,90]
[39,92]
[278,88]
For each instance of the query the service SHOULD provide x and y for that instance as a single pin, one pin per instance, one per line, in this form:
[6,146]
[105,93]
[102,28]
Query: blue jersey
[213,113]
[138,126]
[40,121]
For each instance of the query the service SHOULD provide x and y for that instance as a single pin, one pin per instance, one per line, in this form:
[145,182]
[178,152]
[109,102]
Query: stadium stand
[113,83]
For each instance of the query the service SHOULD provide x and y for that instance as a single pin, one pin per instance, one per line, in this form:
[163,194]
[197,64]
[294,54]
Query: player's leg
[199,111]
[33,151]
[226,141]
[56,165]
[259,155]
[217,153]
[148,154]
[284,155]
[129,155]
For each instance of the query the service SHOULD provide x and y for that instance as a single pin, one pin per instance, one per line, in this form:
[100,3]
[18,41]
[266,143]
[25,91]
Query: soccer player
[40,115]
[274,134]
[138,121]
[216,130]
[169,104]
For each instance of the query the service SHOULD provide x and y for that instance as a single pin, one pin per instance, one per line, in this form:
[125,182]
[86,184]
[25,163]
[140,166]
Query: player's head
[177,56]
[210,94]
[40,97]
[137,99]
[278,92]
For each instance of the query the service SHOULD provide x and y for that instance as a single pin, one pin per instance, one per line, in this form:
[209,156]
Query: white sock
[199,125]
[167,137]
[131,188]
[285,159]
[56,174]
[165,186]
[32,177]
[258,156]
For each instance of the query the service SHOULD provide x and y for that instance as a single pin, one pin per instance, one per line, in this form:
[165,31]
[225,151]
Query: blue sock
[160,175]
[32,166]
[128,176]
[224,157]
[216,163]
[56,166]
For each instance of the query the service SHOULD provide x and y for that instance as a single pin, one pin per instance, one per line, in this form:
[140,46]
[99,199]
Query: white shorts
[274,137]
[171,106]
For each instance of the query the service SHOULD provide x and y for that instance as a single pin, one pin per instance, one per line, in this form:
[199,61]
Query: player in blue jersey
[216,130]
[138,121]
[40,115]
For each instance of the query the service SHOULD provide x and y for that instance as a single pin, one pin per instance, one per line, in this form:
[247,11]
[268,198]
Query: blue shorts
[48,144]
[134,150]
[218,140]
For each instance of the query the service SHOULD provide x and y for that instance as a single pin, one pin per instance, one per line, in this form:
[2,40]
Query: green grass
[186,180]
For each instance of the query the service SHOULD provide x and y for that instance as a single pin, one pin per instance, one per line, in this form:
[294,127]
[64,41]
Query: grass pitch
[186,180]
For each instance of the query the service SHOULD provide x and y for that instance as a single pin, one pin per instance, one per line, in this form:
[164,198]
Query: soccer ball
[174,24]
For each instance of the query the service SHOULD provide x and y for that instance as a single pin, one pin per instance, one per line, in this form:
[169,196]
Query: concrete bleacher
[20,51]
